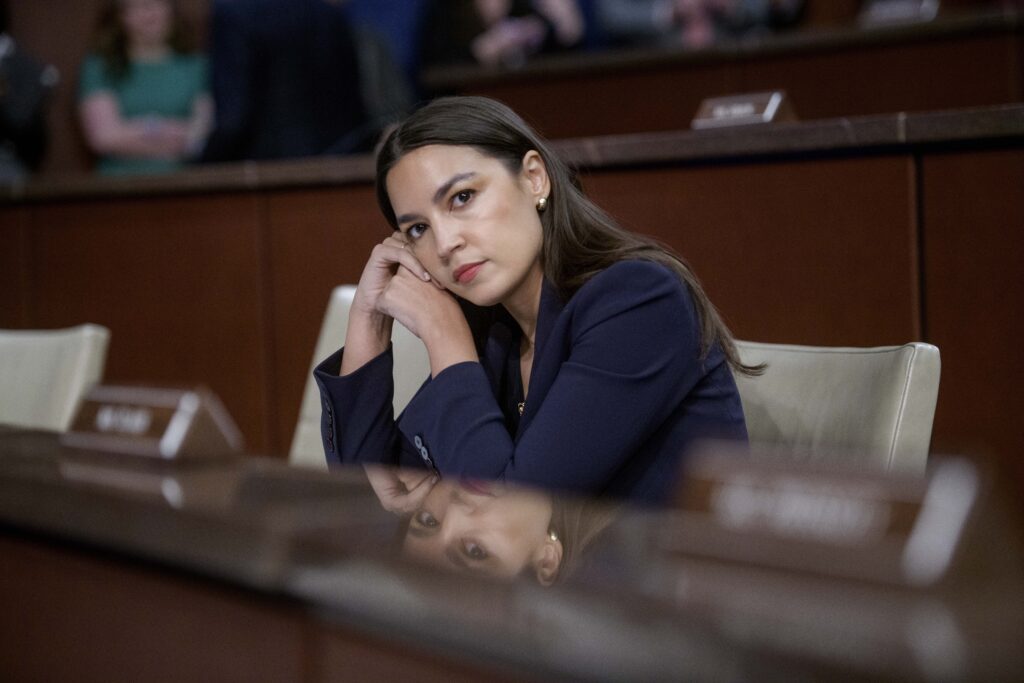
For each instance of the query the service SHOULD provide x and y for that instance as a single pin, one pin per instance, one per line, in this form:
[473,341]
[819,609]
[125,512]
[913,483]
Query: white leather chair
[412,367]
[44,373]
[876,404]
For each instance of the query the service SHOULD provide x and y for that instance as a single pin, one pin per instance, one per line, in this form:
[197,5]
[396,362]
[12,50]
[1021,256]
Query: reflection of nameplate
[833,521]
[744,110]
[884,12]
[158,423]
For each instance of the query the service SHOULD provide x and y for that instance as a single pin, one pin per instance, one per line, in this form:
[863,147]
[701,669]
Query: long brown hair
[110,40]
[580,239]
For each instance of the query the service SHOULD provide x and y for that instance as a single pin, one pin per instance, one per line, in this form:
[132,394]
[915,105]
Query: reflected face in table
[485,529]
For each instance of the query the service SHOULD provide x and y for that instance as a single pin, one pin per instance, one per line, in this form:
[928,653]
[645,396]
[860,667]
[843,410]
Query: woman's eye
[416,231]
[461,198]
[474,551]
[424,518]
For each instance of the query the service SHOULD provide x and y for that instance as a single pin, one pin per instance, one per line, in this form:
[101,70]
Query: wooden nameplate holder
[164,425]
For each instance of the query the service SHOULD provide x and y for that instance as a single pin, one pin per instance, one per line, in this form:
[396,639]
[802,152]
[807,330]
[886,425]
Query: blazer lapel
[547,356]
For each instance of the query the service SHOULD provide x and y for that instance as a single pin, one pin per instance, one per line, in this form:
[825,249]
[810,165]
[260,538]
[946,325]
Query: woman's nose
[448,238]
[456,525]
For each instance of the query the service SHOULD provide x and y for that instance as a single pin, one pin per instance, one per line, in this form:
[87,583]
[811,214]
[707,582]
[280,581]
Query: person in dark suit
[565,352]
[285,77]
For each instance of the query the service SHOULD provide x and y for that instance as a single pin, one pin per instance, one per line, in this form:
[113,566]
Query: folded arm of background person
[110,134]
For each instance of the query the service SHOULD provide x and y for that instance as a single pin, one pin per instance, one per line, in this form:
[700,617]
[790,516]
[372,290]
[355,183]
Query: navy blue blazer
[617,392]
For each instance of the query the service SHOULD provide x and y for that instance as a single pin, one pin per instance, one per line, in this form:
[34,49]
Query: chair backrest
[44,373]
[877,403]
[412,367]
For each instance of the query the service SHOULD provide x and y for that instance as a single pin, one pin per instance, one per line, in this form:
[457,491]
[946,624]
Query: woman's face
[471,222]
[485,529]
[147,22]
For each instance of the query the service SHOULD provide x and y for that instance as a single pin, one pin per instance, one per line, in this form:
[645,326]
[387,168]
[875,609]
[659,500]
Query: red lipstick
[465,274]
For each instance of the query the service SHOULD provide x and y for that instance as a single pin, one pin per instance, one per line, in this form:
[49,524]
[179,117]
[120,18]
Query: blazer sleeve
[357,419]
[633,356]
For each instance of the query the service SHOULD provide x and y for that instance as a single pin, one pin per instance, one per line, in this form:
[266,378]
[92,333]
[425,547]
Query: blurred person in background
[144,99]
[24,86]
[499,32]
[286,81]
[692,24]
[387,40]
[398,24]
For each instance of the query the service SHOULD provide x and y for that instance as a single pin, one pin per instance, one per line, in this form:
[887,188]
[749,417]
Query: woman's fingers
[397,491]
[405,244]
[395,250]
[419,492]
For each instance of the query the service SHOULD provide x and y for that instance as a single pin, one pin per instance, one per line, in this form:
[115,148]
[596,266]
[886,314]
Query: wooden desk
[246,570]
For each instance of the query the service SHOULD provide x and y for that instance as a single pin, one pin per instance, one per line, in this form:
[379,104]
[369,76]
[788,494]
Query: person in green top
[144,98]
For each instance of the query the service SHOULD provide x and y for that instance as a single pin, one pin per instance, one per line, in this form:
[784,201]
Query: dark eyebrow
[457,178]
[439,195]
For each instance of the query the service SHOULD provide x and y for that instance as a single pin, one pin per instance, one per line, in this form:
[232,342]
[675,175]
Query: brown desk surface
[322,544]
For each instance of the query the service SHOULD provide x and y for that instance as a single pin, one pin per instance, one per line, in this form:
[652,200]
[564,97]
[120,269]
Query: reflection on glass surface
[487,528]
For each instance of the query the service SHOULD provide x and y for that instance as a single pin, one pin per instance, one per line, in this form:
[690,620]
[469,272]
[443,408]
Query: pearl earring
[542,204]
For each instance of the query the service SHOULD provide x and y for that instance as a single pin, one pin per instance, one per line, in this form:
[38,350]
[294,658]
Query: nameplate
[884,12]
[744,110]
[833,521]
[164,424]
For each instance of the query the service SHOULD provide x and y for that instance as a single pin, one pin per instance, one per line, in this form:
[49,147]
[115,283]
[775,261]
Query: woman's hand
[422,307]
[395,286]
[433,315]
[400,491]
[369,327]
[381,267]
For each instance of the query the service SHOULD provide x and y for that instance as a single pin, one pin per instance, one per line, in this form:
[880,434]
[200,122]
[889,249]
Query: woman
[583,357]
[144,100]
[502,532]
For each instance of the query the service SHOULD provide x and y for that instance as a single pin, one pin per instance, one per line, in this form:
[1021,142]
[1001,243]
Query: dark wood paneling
[72,615]
[973,217]
[621,101]
[318,239]
[802,252]
[179,282]
[973,71]
[829,81]
[75,617]
[831,12]
[340,653]
[14,282]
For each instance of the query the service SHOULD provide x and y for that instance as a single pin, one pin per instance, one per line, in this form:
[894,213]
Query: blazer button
[424,453]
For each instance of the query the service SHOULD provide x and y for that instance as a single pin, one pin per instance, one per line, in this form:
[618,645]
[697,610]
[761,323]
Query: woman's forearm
[449,341]
[108,133]
[367,336]
[199,124]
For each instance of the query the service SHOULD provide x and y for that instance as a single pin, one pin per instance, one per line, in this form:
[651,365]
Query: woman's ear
[548,561]
[535,173]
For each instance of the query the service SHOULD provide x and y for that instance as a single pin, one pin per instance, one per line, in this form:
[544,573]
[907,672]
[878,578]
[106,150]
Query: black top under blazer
[617,392]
